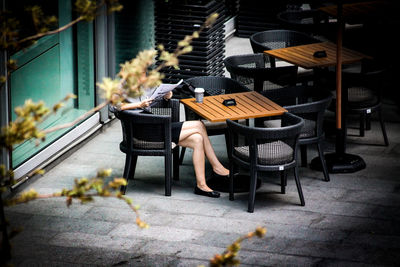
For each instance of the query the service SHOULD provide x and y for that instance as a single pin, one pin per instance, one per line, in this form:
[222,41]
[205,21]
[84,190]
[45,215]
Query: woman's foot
[220,176]
[222,171]
[213,194]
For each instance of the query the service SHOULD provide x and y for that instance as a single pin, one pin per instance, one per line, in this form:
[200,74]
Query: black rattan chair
[264,149]
[313,21]
[213,86]
[254,71]
[364,95]
[150,135]
[310,103]
[274,39]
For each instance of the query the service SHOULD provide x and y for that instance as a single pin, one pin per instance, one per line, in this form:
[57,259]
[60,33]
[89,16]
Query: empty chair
[255,71]
[275,39]
[313,21]
[264,149]
[213,86]
[216,85]
[310,103]
[150,135]
[364,95]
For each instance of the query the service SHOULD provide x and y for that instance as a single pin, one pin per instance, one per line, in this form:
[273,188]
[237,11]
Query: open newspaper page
[163,89]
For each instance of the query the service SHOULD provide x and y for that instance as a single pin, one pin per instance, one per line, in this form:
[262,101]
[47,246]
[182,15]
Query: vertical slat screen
[134,29]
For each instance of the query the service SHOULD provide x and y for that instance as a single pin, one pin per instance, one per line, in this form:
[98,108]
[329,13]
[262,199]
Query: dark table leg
[340,161]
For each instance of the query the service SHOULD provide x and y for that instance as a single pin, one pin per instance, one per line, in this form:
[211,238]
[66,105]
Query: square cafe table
[367,9]
[248,105]
[303,55]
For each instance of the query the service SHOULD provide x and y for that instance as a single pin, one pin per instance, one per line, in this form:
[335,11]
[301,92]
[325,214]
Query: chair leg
[362,127]
[175,163]
[368,122]
[296,177]
[132,169]
[385,138]
[168,180]
[303,153]
[183,149]
[323,162]
[129,170]
[231,182]
[283,181]
[227,142]
[252,189]
[128,160]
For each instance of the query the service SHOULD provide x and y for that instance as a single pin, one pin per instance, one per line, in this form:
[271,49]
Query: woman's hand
[168,95]
[145,103]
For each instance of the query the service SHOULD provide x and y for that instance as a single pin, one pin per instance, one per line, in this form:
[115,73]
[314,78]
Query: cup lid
[199,90]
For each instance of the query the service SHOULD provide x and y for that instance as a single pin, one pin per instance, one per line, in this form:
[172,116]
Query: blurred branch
[80,118]
[228,257]
[84,190]
[42,34]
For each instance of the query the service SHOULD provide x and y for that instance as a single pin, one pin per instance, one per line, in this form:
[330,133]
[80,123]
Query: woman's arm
[143,104]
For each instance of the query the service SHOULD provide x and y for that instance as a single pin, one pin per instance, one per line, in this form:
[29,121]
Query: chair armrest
[167,108]
[291,125]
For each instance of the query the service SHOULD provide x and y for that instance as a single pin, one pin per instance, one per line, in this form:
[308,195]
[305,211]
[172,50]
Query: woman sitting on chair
[192,134]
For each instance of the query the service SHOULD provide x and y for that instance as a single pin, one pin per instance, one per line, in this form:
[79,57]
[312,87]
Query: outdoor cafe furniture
[364,95]
[213,86]
[265,150]
[309,103]
[150,135]
[275,39]
[312,21]
[255,72]
[304,56]
[248,105]
[362,11]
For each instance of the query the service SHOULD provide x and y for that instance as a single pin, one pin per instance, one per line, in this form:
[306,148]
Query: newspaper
[164,88]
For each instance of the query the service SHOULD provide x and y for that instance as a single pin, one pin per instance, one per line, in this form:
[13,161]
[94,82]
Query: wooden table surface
[302,55]
[248,105]
[367,8]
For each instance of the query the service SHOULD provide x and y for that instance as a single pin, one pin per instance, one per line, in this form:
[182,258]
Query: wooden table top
[302,55]
[367,8]
[248,105]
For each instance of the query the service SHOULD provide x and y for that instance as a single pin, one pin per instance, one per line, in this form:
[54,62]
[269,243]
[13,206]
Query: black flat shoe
[200,192]
[220,176]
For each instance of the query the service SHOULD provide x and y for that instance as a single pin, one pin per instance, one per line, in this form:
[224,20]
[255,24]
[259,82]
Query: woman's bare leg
[192,127]
[195,141]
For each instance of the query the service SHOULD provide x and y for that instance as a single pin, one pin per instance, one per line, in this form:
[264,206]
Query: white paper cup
[199,94]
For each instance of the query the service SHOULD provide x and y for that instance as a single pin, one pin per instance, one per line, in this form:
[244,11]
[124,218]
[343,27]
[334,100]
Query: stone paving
[353,220]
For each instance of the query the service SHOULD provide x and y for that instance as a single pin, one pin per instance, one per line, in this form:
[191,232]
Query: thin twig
[36,36]
[72,123]
[47,196]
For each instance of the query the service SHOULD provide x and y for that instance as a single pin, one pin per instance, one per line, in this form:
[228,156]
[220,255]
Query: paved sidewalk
[353,220]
